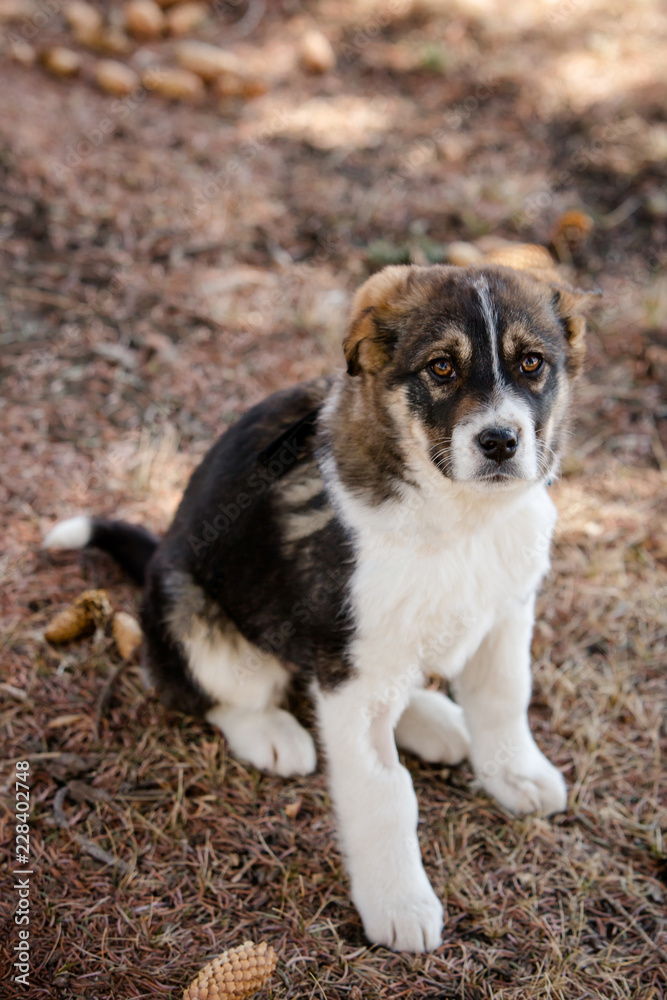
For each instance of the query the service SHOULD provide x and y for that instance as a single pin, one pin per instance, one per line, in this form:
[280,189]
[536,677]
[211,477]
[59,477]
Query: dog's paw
[528,783]
[432,727]
[272,741]
[410,921]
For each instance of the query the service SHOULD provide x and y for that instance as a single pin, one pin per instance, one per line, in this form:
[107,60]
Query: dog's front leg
[494,692]
[376,809]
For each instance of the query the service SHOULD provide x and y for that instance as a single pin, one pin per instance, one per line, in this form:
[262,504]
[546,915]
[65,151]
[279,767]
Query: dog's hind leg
[201,664]
[247,686]
[432,727]
[271,740]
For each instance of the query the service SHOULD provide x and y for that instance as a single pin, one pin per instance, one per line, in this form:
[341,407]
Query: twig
[105,697]
[49,299]
[251,18]
[621,213]
[620,909]
[87,845]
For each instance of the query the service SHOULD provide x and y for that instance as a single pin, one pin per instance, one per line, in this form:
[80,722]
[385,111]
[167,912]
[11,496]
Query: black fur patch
[229,537]
[130,544]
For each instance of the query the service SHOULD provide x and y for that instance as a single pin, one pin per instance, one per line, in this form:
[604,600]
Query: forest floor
[161,274]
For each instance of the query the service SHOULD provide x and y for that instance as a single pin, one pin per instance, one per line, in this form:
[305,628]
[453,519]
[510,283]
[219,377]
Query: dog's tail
[130,545]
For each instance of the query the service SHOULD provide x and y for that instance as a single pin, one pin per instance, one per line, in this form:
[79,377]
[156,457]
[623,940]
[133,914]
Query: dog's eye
[442,369]
[531,364]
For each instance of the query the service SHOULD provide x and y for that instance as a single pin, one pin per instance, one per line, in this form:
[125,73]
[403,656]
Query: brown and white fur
[367,530]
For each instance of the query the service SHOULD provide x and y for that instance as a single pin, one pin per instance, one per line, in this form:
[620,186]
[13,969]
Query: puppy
[367,529]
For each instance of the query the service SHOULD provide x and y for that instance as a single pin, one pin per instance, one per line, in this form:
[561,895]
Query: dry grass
[153,849]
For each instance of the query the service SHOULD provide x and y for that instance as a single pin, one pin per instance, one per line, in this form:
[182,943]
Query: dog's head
[477,361]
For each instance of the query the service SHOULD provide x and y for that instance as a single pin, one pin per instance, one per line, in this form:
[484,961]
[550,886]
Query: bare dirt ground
[158,281]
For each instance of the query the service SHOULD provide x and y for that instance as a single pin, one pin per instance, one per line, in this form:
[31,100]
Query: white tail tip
[74,533]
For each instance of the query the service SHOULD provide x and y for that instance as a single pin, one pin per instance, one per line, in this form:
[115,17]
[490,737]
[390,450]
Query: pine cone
[237,973]
[521,256]
[98,605]
[89,611]
[572,228]
[127,633]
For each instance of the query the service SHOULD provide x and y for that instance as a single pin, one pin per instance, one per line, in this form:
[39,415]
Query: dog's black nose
[498,443]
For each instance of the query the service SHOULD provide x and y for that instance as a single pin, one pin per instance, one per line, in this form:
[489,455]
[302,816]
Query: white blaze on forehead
[490,319]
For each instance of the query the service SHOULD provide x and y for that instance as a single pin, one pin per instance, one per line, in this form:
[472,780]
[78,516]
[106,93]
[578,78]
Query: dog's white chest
[427,592]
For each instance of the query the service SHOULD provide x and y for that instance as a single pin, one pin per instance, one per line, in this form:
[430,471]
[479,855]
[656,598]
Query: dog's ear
[370,337]
[570,305]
